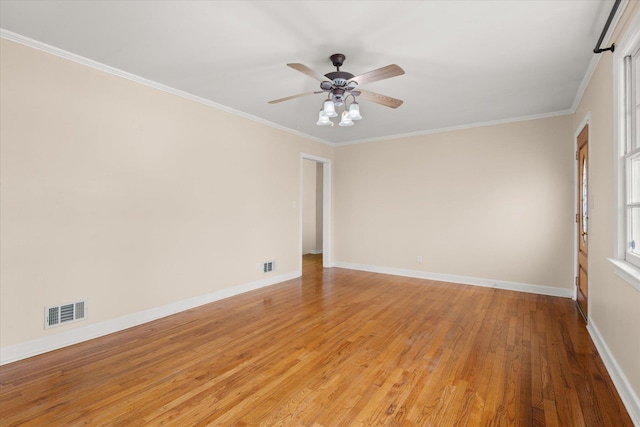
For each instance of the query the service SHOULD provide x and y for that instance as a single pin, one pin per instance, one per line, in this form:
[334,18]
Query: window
[627,136]
[631,158]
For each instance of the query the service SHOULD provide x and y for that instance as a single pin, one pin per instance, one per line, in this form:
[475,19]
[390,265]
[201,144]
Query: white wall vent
[269,266]
[66,313]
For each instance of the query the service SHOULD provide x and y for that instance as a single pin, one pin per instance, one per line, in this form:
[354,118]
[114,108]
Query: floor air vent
[269,266]
[66,313]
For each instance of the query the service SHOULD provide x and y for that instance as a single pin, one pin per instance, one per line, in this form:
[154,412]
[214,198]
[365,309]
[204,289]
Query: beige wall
[614,305]
[494,202]
[131,197]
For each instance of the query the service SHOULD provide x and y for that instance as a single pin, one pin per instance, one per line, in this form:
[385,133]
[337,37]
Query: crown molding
[595,59]
[462,127]
[35,44]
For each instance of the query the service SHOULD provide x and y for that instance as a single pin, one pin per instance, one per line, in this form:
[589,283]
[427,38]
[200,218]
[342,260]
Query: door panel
[582,219]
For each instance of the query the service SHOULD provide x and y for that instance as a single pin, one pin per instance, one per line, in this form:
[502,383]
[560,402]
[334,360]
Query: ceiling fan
[339,85]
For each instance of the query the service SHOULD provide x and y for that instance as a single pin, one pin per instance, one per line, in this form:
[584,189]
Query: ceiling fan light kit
[329,108]
[354,111]
[340,86]
[345,120]
[323,120]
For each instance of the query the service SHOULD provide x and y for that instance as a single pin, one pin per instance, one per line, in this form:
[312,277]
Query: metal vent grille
[66,313]
[79,311]
[269,266]
[53,316]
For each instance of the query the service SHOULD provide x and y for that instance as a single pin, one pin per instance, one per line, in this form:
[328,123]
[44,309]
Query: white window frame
[626,265]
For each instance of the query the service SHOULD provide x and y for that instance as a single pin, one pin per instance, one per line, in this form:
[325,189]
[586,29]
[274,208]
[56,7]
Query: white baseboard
[37,346]
[315,251]
[465,280]
[628,396]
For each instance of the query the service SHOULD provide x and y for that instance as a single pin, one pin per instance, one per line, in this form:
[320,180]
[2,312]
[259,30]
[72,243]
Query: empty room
[320,213]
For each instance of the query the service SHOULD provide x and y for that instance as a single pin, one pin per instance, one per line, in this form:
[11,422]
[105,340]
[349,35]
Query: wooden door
[582,218]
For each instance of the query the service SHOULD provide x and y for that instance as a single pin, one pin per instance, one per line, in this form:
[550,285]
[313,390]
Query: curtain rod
[597,49]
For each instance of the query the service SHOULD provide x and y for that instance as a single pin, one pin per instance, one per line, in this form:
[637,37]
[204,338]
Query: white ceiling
[466,62]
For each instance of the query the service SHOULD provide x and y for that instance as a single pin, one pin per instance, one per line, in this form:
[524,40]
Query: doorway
[311,207]
[315,208]
[582,219]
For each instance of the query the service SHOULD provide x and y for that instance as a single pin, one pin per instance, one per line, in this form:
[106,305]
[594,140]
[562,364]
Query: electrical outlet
[419,259]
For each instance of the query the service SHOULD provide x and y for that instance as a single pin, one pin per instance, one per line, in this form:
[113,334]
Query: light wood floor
[335,348]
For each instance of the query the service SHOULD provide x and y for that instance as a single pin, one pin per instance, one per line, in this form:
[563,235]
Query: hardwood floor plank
[335,347]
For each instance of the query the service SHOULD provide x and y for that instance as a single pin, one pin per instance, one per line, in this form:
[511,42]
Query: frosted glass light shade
[323,120]
[329,108]
[346,120]
[354,111]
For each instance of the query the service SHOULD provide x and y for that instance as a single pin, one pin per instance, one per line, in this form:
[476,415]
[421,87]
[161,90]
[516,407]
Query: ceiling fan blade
[387,101]
[308,71]
[379,74]
[300,95]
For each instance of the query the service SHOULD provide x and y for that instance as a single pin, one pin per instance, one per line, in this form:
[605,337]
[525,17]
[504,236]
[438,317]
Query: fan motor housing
[339,78]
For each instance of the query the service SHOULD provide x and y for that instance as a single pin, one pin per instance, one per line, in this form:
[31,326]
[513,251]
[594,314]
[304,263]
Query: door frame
[586,121]
[327,256]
